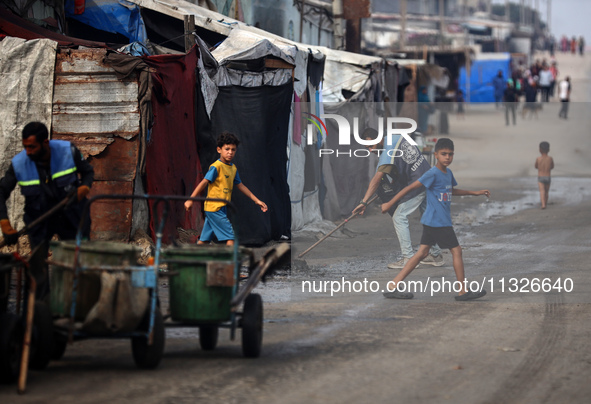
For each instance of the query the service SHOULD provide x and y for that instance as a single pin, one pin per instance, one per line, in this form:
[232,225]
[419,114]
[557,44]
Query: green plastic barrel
[92,253]
[192,297]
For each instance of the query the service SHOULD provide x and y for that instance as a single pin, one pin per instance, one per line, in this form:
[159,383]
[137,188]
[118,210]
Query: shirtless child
[544,164]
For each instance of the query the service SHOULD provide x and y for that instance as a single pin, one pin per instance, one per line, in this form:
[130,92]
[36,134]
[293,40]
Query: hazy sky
[569,17]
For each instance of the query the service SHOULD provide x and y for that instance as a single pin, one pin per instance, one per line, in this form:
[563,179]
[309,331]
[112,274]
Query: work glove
[82,191]
[10,235]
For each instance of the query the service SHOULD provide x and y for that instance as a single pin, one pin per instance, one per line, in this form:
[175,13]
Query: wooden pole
[402,24]
[507,11]
[441,23]
[549,16]
[22,377]
[189,22]
[468,73]
[302,20]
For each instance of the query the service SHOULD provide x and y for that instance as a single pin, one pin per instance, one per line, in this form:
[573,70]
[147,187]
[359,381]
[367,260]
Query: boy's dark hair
[227,138]
[545,147]
[37,129]
[369,133]
[444,143]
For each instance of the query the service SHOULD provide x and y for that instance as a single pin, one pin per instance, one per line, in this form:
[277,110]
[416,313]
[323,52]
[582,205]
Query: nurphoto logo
[344,127]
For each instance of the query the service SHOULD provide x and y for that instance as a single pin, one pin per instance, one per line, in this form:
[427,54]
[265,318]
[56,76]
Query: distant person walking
[554,71]
[499,86]
[564,95]
[563,43]
[425,109]
[544,164]
[460,104]
[510,101]
[545,81]
[581,45]
[530,104]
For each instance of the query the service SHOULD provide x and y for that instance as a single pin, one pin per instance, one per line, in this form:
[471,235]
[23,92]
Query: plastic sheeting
[173,166]
[116,16]
[26,80]
[482,73]
[244,45]
[345,71]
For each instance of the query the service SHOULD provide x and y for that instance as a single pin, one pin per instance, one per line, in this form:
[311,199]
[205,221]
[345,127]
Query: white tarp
[26,80]
[345,71]
[242,45]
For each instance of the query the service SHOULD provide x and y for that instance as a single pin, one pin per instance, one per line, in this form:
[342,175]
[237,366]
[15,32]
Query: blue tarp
[481,76]
[116,16]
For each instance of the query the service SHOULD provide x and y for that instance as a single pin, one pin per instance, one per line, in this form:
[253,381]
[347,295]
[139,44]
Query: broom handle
[335,229]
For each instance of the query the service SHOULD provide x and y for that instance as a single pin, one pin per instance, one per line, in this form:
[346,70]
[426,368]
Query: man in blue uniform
[47,172]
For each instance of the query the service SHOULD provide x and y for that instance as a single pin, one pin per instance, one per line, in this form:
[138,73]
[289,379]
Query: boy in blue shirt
[439,182]
[220,180]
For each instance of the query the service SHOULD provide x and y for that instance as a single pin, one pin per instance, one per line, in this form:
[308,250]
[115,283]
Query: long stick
[22,378]
[43,217]
[335,229]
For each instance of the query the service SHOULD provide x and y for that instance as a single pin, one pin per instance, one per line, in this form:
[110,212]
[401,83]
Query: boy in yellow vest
[221,178]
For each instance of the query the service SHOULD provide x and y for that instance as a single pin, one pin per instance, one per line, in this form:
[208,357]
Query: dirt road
[514,345]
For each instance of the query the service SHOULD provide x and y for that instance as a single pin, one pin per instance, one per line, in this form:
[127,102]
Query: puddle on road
[563,190]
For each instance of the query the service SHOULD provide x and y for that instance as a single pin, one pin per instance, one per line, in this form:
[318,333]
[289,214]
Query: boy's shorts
[217,223]
[444,237]
[544,180]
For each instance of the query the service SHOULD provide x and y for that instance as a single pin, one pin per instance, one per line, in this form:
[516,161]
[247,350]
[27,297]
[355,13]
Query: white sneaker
[431,259]
[398,264]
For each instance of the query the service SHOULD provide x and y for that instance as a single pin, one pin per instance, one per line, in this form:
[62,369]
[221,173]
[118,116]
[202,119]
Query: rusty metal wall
[100,115]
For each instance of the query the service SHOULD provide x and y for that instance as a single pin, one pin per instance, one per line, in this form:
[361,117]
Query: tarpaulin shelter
[169,154]
[349,79]
[483,69]
[255,75]
[102,102]
[255,85]
[116,16]
[81,100]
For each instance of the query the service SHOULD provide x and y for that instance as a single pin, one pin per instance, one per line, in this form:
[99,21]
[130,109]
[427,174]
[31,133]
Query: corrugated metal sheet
[100,114]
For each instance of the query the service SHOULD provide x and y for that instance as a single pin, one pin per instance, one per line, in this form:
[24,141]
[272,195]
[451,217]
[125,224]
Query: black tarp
[259,117]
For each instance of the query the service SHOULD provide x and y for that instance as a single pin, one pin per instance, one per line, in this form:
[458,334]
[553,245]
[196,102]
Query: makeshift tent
[13,25]
[254,105]
[482,71]
[40,82]
[26,82]
[172,164]
[349,79]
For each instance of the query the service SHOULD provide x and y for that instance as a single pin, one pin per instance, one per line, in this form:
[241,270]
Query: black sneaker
[470,296]
[395,294]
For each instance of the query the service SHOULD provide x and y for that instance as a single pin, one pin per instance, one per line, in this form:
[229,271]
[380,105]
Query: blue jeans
[400,220]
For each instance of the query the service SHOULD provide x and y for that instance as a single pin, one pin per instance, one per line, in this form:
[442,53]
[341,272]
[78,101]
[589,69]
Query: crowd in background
[564,45]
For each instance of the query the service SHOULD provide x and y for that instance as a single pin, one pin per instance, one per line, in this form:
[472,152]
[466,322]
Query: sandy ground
[513,346]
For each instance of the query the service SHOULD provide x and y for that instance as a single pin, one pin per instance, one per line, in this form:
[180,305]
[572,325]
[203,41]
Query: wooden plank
[277,64]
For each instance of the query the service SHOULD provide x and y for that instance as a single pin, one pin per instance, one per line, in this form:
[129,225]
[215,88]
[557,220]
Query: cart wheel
[208,337]
[60,342]
[11,347]
[42,337]
[149,356]
[252,326]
